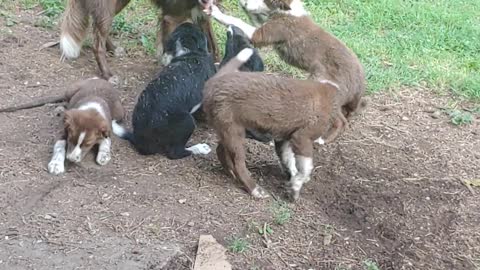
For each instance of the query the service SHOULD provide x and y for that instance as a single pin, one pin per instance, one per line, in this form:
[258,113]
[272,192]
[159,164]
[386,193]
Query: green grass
[238,245]
[281,213]
[370,265]
[432,44]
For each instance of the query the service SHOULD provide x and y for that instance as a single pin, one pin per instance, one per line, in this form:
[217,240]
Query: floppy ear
[104,130]
[278,4]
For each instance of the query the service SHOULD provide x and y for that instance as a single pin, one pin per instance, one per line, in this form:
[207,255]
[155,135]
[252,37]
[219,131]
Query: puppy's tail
[122,132]
[235,63]
[36,103]
[73,29]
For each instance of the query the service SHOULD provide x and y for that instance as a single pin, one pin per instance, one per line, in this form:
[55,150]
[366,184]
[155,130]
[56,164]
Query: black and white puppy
[162,119]
[237,40]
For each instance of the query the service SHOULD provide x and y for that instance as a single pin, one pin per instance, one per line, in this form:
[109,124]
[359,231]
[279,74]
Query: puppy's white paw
[259,193]
[165,59]
[119,52]
[103,157]
[200,149]
[115,80]
[56,167]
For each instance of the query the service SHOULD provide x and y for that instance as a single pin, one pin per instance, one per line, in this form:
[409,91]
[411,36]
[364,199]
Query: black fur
[237,41]
[162,120]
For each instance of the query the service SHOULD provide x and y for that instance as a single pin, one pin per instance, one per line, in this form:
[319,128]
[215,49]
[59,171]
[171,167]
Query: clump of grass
[458,117]
[370,265]
[281,213]
[52,8]
[238,245]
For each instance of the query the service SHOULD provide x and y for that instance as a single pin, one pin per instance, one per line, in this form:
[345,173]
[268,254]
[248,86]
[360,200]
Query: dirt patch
[389,190]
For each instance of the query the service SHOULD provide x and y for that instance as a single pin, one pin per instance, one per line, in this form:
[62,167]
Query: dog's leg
[286,157]
[225,160]
[104,149]
[57,163]
[101,31]
[302,147]
[233,143]
[339,125]
[227,20]
[206,25]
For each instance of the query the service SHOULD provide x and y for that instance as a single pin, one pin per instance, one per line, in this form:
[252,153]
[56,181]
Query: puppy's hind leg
[302,147]
[286,157]
[56,165]
[104,152]
[181,132]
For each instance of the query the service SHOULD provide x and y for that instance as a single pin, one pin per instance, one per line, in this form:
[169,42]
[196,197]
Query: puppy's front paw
[200,149]
[103,158]
[259,193]
[56,167]
[165,59]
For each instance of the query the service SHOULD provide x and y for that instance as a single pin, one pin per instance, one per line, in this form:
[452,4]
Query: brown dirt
[389,190]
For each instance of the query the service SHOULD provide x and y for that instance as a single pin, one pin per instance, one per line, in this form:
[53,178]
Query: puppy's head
[237,40]
[186,38]
[84,129]
[259,11]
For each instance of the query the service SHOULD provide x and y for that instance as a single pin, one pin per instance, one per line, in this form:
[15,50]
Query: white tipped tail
[70,48]
[118,129]
[235,63]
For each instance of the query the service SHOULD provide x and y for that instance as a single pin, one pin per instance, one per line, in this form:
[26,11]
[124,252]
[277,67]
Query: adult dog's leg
[57,163]
[226,160]
[102,24]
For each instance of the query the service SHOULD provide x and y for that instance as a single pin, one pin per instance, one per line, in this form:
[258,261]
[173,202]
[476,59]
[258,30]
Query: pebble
[191,223]
[182,201]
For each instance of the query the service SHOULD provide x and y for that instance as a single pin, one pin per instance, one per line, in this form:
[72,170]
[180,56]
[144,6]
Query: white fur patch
[297,9]
[70,48]
[320,141]
[195,108]
[104,149]
[118,129]
[76,154]
[245,54]
[305,167]
[230,30]
[227,20]
[199,149]
[259,193]
[94,106]
[256,6]
[288,158]
[179,49]
[56,165]
[329,82]
[166,59]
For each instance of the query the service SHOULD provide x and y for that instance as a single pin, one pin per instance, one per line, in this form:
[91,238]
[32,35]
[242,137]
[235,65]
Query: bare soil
[389,190]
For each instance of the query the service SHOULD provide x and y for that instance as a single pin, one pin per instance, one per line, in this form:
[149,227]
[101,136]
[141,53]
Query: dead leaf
[49,44]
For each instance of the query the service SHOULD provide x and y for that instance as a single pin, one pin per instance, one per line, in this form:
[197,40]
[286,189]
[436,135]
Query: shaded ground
[389,190]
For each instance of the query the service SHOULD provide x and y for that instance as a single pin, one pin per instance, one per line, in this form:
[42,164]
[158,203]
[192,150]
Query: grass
[238,245]
[370,265]
[281,213]
[401,43]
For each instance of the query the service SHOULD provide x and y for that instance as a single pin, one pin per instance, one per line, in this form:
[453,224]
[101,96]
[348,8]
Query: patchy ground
[388,192]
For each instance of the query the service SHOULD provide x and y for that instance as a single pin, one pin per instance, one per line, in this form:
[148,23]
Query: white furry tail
[235,63]
[73,29]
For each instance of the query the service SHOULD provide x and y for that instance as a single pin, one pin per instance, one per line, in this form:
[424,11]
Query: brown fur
[77,13]
[90,121]
[303,44]
[237,101]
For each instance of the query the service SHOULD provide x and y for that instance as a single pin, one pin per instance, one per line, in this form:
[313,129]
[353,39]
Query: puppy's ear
[104,130]
[278,4]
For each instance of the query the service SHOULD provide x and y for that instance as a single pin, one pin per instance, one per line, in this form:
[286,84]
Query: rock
[182,201]
[211,255]
[191,223]
[436,114]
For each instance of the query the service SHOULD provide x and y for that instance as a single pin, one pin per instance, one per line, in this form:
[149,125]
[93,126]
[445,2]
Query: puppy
[295,112]
[162,119]
[300,42]
[236,42]
[92,105]
[76,20]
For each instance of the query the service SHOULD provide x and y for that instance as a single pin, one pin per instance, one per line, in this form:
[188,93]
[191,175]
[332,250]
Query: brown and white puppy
[92,106]
[76,20]
[287,26]
[295,112]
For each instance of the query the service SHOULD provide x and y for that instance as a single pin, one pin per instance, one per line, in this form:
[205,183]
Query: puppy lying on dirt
[295,112]
[162,119]
[300,42]
[92,105]
[236,42]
